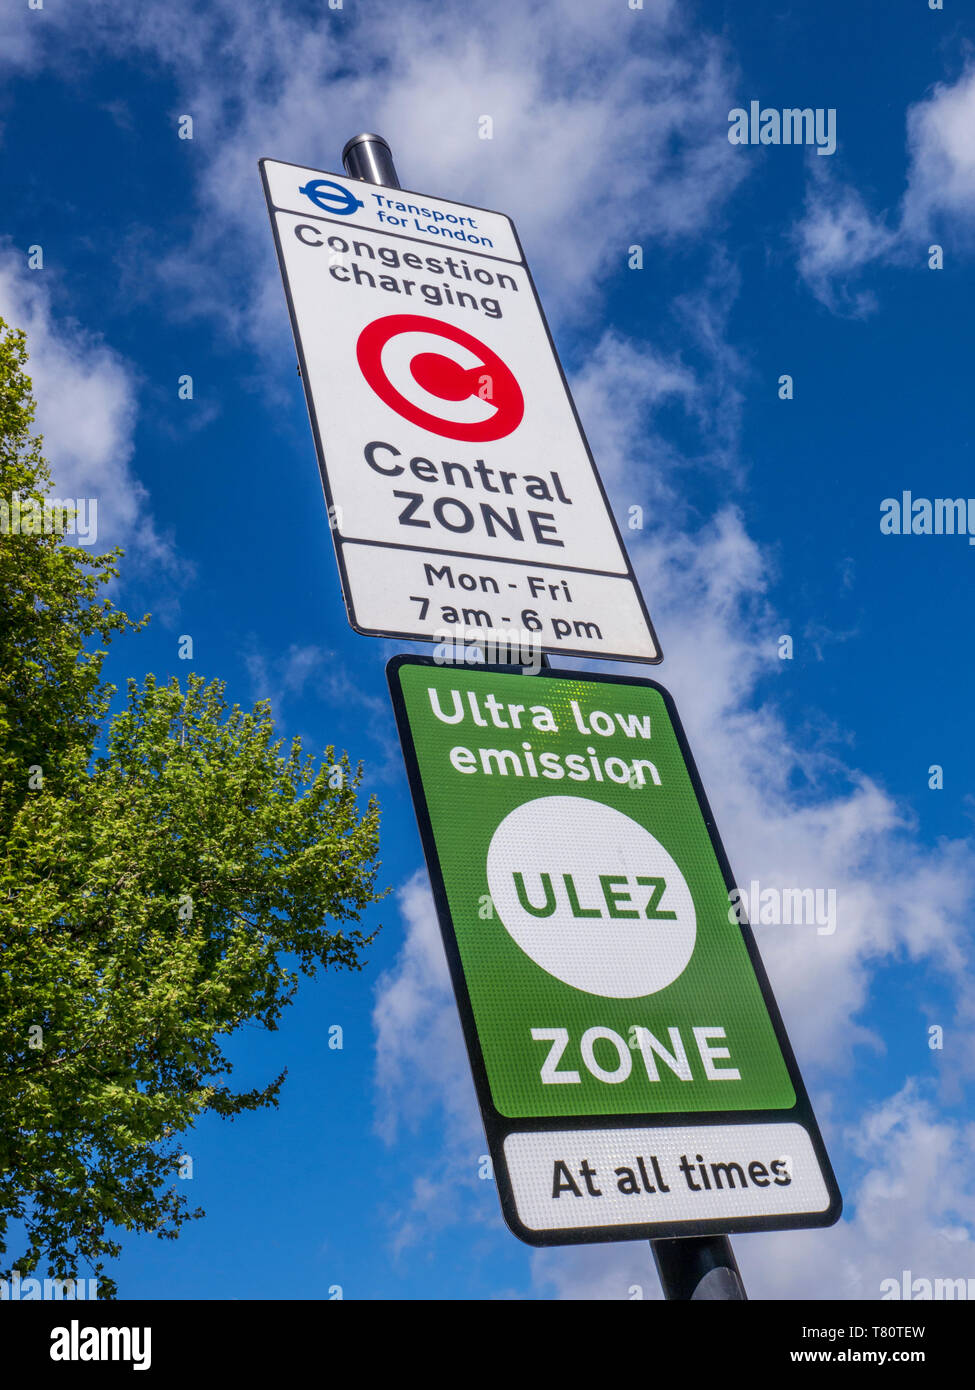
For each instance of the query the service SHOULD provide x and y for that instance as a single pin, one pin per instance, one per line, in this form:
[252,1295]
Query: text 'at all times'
[698,1175]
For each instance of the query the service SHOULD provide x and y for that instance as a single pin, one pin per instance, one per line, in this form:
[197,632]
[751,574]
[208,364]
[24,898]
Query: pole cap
[369,158]
[358,140]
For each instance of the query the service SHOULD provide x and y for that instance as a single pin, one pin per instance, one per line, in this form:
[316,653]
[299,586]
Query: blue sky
[762,519]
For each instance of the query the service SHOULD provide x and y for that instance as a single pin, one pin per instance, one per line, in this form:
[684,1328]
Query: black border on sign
[338,540]
[497,1126]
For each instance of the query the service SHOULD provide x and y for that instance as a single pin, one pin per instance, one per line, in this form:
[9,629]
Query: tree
[166,874]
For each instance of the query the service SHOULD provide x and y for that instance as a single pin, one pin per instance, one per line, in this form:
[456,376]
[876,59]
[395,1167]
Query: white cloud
[623,388]
[86,411]
[285,675]
[912,1208]
[941,179]
[21,36]
[423,1079]
[615,374]
[838,236]
[609,126]
[707,594]
[421,1062]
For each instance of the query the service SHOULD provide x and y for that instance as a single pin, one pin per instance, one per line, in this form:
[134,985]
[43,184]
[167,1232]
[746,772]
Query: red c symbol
[443,377]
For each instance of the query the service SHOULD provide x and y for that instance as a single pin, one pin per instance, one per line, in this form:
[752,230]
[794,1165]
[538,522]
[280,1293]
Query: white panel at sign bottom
[464,597]
[693,1173]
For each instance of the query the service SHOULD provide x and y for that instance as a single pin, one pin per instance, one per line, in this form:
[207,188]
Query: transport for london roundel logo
[591,896]
[462,392]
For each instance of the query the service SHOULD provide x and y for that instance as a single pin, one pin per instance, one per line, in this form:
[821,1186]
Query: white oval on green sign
[591,897]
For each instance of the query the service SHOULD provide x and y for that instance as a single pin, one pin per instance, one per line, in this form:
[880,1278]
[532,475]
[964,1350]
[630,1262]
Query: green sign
[601,970]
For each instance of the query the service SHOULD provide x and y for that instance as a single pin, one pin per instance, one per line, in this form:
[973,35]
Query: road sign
[631,1066]
[463,499]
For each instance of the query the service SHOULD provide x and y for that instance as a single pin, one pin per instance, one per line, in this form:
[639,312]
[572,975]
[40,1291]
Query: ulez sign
[464,501]
[632,1069]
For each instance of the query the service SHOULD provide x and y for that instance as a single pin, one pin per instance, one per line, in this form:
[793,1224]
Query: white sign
[463,498]
[567,1180]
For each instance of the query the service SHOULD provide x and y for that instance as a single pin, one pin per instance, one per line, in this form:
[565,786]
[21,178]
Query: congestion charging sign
[464,502]
[633,1073]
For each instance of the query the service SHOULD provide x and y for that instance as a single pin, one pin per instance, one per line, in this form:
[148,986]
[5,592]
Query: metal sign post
[698,1268]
